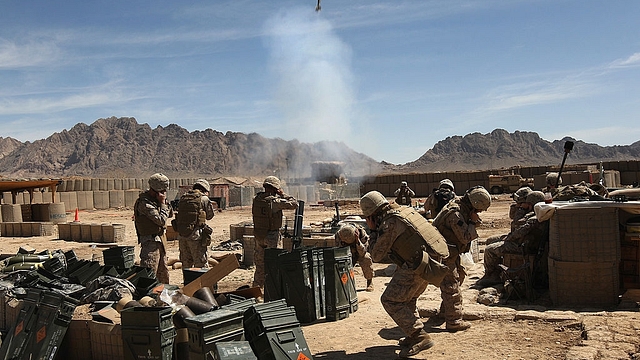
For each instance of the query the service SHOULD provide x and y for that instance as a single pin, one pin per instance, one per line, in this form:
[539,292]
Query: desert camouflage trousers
[154,256]
[192,253]
[495,238]
[493,255]
[450,288]
[271,241]
[399,299]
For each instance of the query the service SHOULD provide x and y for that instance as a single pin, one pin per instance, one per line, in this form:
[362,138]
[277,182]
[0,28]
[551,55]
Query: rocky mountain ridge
[501,149]
[121,147]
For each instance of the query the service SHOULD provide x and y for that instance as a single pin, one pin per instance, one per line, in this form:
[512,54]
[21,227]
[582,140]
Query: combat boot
[369,285]
[458,326]
[418,342]
[489,279]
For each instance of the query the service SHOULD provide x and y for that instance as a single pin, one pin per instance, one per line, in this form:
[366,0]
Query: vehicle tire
[496,190]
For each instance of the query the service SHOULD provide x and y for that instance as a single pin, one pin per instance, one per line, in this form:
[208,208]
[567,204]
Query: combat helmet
[479,198]
[158,182]
[520,195]
[535,197]
[371,202]
[446,183]
[204,184]
[552,177]
[347,233]
[272,181]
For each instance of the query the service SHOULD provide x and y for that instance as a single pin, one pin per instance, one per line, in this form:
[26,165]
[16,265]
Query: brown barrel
[54,212]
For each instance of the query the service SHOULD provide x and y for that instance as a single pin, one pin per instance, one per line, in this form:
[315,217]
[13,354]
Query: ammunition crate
[148,343]
[284,344]
[233,350]
[151,317]
[340,291]
[122,257]
[211,327]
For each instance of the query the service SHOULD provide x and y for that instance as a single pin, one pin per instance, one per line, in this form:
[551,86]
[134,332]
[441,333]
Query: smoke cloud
[310,66]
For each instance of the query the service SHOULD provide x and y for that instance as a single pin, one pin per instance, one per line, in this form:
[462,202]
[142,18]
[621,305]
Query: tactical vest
[420,246]
[144,225]
[190,215]
[418,234]
[264,219]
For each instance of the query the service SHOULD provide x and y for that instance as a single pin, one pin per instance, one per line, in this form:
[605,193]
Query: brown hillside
[121,147]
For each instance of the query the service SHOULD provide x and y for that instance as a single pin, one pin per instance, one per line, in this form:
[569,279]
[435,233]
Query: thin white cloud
[631,61]
[555,87]
[31,53]
[521,95]
[46,105]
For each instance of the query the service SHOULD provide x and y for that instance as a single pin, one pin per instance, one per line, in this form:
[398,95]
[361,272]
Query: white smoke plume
[311,67]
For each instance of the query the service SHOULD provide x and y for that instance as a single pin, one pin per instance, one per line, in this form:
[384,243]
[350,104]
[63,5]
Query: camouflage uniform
[403,195]
[454,225]
[150,219]
[524,239]
[436,201]
[359,252]
[402,292]
[193,248]
[515,214]
[267,234]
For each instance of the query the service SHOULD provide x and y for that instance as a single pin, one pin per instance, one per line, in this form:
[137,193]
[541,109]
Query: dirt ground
[370,333]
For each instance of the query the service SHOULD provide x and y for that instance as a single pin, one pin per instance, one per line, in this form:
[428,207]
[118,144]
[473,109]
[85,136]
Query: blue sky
[389,78]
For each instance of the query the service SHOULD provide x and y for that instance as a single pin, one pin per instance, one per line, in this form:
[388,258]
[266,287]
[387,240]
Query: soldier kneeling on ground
[356,238]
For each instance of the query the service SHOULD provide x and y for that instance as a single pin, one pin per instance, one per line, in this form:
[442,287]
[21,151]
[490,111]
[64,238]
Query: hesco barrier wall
[103,193]
[617,173]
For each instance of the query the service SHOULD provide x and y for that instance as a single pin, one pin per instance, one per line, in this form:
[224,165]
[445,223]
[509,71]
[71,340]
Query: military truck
[508,183]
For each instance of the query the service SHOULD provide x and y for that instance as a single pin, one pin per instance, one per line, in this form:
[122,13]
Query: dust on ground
[370,333]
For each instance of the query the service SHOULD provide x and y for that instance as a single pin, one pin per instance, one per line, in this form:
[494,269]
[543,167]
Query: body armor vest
[264,219]
[418,234]
[190,215]
[420,246]
[403,197]
[144,225]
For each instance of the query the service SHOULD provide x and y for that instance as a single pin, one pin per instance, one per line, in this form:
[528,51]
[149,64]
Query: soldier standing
[404,194]
[267,220]
[150,213]
[194,209]
[356,238]
[457,223]
[407,237]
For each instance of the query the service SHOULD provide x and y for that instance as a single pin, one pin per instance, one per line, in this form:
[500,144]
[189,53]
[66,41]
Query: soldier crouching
[417,248]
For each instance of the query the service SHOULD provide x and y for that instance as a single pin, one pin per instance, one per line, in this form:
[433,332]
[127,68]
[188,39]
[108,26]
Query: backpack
[190,213]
